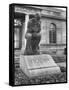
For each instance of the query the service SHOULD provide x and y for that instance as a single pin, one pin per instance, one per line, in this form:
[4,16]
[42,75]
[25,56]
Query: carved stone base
[37,65]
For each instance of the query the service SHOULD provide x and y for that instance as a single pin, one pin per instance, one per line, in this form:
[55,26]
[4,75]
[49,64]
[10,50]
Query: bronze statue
[33,36]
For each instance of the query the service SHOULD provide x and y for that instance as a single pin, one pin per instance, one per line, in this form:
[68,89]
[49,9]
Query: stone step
[59,59]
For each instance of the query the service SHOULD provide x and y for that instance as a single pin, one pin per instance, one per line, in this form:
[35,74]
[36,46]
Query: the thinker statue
[33,36]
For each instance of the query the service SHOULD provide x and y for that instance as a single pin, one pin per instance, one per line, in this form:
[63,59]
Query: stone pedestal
[37,65]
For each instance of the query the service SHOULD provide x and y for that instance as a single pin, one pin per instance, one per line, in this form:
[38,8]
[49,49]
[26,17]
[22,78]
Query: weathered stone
[37,65]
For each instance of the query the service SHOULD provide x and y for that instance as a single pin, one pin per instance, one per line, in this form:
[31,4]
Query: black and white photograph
[38,40]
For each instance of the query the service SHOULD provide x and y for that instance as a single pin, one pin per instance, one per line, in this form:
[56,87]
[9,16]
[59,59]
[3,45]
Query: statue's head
[37,16]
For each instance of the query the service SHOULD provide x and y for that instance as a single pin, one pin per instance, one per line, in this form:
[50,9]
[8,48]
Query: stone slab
[37,65]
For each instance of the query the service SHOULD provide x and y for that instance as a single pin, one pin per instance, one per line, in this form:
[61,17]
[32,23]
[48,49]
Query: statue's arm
[28,33]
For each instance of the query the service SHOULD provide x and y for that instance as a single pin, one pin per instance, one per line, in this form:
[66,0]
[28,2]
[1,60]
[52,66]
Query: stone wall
[45,45]
[60,30]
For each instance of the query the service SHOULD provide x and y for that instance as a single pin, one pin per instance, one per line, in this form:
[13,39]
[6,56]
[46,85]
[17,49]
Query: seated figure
[33,36]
